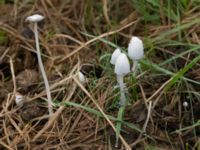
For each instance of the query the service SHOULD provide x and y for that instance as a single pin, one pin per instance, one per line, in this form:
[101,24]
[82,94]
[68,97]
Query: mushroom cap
[18,99]
[35,18]
[185,104]
[81,77]
[135,48]
[114,56]
[122,66]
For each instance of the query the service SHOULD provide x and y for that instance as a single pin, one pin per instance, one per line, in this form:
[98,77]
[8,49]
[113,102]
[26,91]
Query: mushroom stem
[135,66]
[49,99]
[120,80]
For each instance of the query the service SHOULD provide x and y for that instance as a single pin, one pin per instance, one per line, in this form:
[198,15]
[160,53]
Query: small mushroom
[115,55]
[185,104]
[81,77]
[19,99]
[135,51]
[35,19]
[122,67]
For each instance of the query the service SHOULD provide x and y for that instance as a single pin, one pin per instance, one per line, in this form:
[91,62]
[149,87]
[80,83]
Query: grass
[87,115]
[175,76]
[3,37]
[181,73]
[2,2]
[98,113]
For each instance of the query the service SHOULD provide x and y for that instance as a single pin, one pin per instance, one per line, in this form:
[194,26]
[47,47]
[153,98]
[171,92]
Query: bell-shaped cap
[122,66]
[35,18]
[114,56]
[81,77]
[135,48]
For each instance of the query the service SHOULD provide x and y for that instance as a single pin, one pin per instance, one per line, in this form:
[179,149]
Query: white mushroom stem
[49,99]
[135,66]
[120,80]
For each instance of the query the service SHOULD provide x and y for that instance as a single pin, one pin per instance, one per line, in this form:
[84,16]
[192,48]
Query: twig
[148,116]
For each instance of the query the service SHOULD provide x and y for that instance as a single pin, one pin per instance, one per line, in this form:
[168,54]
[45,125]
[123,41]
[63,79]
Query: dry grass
[88,122]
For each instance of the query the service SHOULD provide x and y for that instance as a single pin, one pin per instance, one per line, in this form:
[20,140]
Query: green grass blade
[188,127]
[177,29]
[97,113]
[119,123]
[156,67]
[181,73]
[179,55]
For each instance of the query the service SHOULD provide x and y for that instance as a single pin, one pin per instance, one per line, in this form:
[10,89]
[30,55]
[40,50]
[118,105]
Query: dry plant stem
[148,117]
[139,139]
[120,80]
[4,54]
[15,34]
[145,99]
[127,147]
[158,91]
[57,84]
[55,115]
[49,99]
[5,146]
[95,39]
[105,11]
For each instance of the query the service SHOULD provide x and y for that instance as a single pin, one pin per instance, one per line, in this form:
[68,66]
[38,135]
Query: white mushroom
[35,19]
[19,99]
[135,51]
[115,55]
[185,104]
[81,77]
[122,67]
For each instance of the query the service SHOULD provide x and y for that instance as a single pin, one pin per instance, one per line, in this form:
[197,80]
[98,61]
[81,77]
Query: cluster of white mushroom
[122,65]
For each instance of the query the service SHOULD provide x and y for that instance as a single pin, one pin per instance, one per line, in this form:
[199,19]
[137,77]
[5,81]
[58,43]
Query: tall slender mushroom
[135,51]
[35,19]
[122,67]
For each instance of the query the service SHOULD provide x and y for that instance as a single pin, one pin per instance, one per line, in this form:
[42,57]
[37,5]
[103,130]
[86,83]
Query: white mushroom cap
[185,104]
[81,77]
[19,99]
[135,48]
[122,66]
[35,18]
[115,55]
